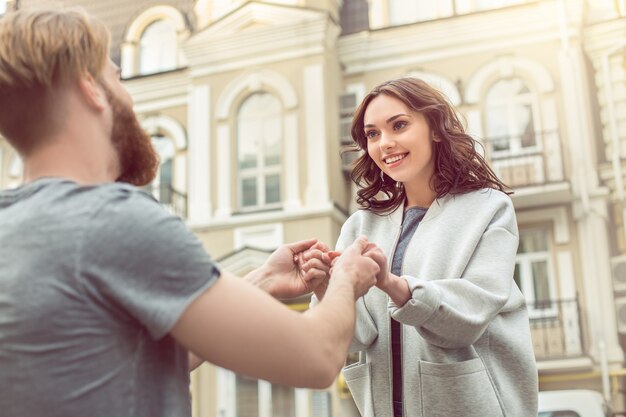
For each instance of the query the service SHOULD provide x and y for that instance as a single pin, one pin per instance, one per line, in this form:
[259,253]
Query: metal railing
[531,158]
[556,329]
[173,200]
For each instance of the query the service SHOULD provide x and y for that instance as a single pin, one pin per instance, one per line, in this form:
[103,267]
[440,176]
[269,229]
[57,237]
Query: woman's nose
[387,142]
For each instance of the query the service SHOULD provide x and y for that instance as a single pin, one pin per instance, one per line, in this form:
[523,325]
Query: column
[316,137]
[199,121]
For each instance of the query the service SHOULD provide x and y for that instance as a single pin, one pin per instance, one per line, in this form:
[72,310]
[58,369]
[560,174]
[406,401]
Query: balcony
[556,330]
[174,201]
[528,159]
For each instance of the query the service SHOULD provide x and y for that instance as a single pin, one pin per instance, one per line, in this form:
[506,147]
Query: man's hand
[315,264]
[282,274]
[396,287]
[355,266]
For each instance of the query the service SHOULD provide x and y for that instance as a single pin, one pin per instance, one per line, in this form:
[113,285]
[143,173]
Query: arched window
[158,48]
[510,117]
[259,143]
[162,187]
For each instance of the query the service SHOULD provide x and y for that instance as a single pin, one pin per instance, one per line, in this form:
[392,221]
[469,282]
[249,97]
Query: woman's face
[399,141]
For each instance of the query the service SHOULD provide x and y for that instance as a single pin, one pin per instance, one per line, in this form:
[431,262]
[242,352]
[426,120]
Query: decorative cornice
[452,37]
[602,37]
[232,44]
[158,86]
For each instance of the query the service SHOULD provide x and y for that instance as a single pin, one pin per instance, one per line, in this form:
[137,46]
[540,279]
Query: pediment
[244,260]
[253,16]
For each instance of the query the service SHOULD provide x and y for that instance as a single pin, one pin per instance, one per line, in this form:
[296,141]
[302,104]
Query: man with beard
[102,292]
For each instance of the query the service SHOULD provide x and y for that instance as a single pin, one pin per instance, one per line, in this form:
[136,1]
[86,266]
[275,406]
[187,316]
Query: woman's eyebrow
[391,119]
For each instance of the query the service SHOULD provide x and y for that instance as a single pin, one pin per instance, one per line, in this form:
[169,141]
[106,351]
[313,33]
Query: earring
[398,185]
[382,176]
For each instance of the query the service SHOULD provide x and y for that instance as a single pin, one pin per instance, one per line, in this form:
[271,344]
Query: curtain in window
[259,151]
[158,48]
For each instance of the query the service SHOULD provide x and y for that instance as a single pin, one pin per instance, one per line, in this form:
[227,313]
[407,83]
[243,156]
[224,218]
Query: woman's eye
[370,134]
[399,125]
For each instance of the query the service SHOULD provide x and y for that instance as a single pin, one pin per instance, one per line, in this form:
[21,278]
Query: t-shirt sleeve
[140,263]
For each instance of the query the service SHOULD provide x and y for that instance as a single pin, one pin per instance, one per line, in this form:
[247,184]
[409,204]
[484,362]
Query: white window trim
[515,146]
[173,130]
[261,171]
[524,260]
[131,46]
[244,85]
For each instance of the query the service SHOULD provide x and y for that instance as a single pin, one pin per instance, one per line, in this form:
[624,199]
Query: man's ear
[92,92]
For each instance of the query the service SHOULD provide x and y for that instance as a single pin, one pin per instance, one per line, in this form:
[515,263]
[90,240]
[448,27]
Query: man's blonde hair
[41,53]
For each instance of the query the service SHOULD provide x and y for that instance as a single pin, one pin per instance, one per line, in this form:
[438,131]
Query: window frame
[261,171]
[514,139]
[524,261]
[158,45]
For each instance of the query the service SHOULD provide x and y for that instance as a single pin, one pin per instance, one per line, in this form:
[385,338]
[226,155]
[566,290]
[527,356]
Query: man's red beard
[138,159]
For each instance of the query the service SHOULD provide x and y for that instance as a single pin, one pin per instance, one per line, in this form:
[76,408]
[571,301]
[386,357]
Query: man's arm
[282,276]
[237,326]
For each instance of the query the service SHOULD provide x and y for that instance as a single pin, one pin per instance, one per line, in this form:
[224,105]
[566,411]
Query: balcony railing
[532,158]
[557,333]
[174,201]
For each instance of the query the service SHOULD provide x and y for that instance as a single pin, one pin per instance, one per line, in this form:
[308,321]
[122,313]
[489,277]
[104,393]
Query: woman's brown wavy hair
[459,168]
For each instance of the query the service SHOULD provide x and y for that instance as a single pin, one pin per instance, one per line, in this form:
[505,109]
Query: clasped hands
[308,266]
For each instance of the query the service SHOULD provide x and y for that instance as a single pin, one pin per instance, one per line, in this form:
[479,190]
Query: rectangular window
[283,401]
[272,189]
[533,273]
[249,188]
[247,397]
[259,142]
[320,404]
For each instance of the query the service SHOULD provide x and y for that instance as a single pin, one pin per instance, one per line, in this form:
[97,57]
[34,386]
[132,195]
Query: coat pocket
[458,389]
[358,378]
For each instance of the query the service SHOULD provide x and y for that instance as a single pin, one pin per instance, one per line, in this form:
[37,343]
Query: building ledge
[542,195]
[565,365]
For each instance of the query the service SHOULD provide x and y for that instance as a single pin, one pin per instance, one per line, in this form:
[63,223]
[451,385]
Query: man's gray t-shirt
[92,279]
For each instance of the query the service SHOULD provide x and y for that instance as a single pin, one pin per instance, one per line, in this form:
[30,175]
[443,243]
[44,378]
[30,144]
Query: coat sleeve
[365,331]
[454,312]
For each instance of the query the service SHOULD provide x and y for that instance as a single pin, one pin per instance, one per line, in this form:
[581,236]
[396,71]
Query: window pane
[272,142]
[259,139]
[347,102]
[523,118]
[162,185]
[541,284]
[510,113]
[247,397]
[248,149]
[248,192]
[533,241]
[165,177]
[321,404]
[272,189]
[158,46]
[283,401]
[525,126]
[497,129]
[517,277]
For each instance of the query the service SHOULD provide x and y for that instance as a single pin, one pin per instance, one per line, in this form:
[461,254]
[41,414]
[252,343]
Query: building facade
[249,105]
